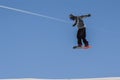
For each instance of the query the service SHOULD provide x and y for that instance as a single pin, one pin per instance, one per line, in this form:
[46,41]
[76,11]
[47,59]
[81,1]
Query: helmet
[71,16]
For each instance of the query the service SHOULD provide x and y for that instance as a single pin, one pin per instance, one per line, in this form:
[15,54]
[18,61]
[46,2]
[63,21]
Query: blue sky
[38,47]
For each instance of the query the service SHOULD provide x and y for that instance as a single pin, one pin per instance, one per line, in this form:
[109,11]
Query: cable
[32,13]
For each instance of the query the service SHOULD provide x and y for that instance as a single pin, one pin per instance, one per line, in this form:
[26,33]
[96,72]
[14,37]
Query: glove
[73,25]
[89,15]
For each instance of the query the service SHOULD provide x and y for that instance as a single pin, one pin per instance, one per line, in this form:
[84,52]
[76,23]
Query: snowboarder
[81,34]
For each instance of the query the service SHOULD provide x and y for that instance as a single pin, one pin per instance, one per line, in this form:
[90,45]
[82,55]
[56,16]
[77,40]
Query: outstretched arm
[84,16]
[75,23]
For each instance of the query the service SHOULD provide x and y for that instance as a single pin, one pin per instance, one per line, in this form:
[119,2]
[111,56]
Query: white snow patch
[109,78]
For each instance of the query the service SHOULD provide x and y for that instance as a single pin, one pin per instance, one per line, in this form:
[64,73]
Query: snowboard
[83,47]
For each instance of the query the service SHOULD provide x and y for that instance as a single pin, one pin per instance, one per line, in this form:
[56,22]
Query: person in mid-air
[81,34]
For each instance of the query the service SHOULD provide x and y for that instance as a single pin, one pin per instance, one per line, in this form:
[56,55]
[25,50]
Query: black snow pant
[81,37]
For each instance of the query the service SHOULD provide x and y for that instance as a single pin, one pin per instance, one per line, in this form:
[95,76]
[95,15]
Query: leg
[79,42]
[79,38]
[85,42]
[84,37]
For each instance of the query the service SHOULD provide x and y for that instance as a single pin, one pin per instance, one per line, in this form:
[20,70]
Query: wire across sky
[32,13]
